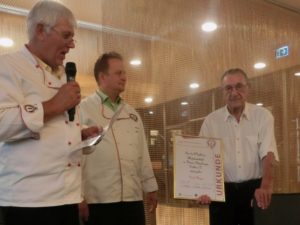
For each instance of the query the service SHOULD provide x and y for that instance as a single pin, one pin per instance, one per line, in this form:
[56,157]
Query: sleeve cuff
[33,116]
[150,185]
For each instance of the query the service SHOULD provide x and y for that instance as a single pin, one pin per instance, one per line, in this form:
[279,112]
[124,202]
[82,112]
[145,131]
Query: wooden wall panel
[166,36]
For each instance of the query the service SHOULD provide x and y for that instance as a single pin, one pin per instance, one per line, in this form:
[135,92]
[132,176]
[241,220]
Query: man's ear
[101,77]
[40,31]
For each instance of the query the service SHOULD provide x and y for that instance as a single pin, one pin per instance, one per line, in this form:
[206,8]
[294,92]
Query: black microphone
[71,73]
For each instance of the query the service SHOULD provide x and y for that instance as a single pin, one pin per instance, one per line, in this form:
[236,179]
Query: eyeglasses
[239,87]
[68,37]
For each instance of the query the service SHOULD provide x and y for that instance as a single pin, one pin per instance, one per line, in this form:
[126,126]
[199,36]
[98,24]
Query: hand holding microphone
[71,73]
[67,97]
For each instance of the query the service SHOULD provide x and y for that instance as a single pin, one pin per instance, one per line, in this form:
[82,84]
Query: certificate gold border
[220,199]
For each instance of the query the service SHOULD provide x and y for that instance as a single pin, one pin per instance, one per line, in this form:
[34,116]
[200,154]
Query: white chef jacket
[119,169]
[245,143]
[37,164]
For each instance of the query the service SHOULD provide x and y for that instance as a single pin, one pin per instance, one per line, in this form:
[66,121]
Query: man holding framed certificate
[247,132]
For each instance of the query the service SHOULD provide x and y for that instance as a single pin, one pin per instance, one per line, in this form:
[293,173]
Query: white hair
[47,13]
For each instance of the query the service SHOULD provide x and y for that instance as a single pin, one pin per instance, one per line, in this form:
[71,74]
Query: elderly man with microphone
[40,168]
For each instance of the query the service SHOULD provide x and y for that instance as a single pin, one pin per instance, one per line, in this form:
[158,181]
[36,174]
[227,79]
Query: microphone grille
[70,69]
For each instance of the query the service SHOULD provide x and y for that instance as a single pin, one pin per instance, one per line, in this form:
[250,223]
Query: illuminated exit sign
[282,52]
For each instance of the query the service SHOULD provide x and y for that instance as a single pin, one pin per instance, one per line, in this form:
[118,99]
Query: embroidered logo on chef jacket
[133,117]
[30,108]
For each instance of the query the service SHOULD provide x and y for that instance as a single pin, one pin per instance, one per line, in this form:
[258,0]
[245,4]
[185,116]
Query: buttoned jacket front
[119,169]
[38,166]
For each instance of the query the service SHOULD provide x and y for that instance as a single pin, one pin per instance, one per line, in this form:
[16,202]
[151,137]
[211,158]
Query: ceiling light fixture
[297,74]
[184,103]
[209,26]
[194,85]
[148,99]
[259,104]
[6,42]
[135,62]
[259,65]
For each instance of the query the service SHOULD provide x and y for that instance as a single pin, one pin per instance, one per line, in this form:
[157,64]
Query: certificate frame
[198,168]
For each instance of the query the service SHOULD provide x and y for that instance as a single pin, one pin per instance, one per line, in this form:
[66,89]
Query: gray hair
[47,13]
[235,71]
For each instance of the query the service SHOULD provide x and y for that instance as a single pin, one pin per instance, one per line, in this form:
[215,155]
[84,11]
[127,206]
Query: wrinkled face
[57,43]
[235,91]
[115,78]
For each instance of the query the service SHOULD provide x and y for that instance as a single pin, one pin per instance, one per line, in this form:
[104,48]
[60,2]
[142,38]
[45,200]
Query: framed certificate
[198,168]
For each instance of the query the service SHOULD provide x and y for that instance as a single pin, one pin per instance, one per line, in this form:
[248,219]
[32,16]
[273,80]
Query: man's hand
[204,199]
[263,196]
[152,200]
[83,211]
[67,97]
[90,132]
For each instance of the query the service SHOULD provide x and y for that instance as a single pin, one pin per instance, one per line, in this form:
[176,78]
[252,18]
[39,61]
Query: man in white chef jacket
[117,173]
[40,170]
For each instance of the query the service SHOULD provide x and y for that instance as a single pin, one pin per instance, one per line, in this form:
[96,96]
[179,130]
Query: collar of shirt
[245,113]
[57,73]
[108,102]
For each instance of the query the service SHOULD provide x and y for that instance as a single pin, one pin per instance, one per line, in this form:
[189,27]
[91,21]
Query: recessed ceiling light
[194,85]
[209,26]
[259,65]
[148,99]
[135,62]
[151,112]
[259,104]
[6,42]
[297,74]
[184,103]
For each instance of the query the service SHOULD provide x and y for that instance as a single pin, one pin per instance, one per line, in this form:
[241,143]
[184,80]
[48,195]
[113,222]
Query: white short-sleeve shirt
[245,143]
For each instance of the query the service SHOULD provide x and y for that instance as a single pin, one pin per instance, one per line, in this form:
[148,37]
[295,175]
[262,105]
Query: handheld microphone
[71,73]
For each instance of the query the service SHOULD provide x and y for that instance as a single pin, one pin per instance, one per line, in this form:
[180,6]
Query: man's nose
[71,44]
[234,91]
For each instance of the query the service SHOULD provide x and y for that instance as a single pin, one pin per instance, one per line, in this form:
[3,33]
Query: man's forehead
[234,78]
[116,63]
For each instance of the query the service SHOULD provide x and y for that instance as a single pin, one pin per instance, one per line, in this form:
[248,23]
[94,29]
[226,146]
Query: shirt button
[66,122]
[69,143]
[77,124]
[49,83]
[240,167]
[78,164]
[69,165]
